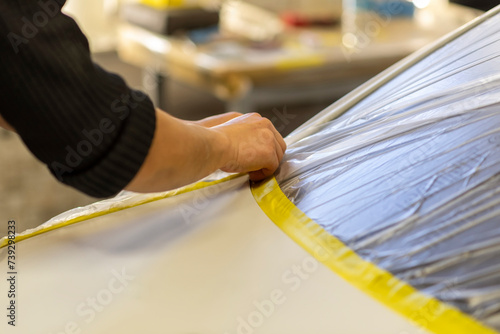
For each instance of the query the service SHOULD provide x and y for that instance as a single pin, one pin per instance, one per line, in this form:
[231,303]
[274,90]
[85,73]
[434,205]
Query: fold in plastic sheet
[409,177]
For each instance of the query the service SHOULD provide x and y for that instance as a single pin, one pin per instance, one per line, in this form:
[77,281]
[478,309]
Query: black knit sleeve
[90,129]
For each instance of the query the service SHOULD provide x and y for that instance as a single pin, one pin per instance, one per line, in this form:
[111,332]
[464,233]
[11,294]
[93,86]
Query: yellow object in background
[170,3]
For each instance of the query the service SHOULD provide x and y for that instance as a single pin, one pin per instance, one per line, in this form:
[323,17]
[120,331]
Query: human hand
[254,146]
[183,152]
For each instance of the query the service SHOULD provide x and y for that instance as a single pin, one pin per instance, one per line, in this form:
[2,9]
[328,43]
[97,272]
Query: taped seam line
[423,310]
[119,207]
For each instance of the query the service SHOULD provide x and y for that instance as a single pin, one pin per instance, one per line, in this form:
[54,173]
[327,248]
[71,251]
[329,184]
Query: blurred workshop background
[286,59]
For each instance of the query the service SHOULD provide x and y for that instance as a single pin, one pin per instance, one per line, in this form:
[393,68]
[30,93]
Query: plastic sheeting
[409,177]
[123,201]
[206,261]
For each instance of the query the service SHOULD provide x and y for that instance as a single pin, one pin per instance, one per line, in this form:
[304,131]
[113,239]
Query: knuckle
[254,114]
[269,150]
[274,165]
[266,136]
[266,122]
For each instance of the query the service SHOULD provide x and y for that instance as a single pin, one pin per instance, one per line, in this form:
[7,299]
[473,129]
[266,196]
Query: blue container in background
[393,8]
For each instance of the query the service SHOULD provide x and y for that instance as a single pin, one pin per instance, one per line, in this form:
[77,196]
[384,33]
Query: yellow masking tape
[118,207]
[161,4]
[425,311]
[300,62]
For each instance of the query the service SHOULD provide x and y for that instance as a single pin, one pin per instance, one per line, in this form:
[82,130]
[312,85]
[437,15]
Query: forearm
[97,135]
[181,153]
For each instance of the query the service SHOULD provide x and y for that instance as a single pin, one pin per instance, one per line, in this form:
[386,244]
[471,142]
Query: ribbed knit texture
[90,129]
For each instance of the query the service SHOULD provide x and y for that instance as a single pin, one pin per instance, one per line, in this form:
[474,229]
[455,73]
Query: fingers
[264,173]
[279,151]
[277,135]
[257,175]
[260,174]
[228,116]
[278,144]
[271,167]
[279,139]
[257,147]
[218,119]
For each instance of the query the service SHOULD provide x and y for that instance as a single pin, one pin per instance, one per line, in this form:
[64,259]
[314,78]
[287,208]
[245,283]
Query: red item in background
[299,20]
